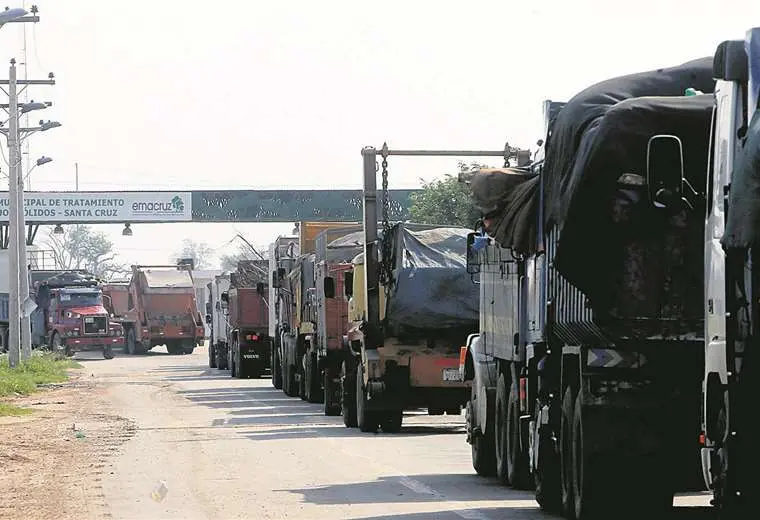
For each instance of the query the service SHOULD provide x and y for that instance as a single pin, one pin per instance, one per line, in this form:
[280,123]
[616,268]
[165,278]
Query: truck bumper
[79,344]
[256,352]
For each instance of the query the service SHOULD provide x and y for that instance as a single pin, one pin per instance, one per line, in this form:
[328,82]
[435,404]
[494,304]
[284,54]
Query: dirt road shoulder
[54,459]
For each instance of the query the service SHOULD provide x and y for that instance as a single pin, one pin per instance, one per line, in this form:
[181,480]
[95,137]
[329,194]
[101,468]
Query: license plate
[250,356]
[451,374]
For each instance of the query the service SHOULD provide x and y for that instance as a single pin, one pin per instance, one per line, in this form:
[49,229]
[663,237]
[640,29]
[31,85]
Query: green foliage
[81,247]
[8,410]
[445,201]
[38,370]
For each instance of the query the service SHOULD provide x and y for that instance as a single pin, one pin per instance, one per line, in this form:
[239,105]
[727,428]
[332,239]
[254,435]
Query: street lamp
[127,231]
[42,160]
[32,105]
[10,15]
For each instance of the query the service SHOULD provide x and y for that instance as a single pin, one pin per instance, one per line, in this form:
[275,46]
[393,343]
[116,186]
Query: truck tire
[500,429]
[108,352]
[605,478]
[313,381]
[546,473]
[391,420]
[276,368]
[482,444]
[332,405]
[366,419]
[221,357]
[188,347]
[566,455]
[290,385]
[131,346]
[348,396]
[56,346]
[212,355]
[518,463]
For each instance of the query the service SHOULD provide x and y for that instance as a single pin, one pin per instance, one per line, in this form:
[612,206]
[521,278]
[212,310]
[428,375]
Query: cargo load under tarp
[630,258]
[743,222]
[573,130]
[431,288]
[573,133]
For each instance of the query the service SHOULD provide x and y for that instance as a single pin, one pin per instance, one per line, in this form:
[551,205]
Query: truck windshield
[80,299]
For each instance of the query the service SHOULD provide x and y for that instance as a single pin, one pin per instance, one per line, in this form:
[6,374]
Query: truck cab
[74,318]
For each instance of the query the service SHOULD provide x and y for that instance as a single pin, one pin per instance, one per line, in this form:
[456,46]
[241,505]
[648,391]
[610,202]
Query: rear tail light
[702,441]
[523,394]
[462,357]
[252,337]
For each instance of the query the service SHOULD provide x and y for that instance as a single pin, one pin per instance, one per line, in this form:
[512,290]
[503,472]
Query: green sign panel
[290,205]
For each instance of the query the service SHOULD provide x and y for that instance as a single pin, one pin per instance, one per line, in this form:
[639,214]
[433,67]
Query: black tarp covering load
[431,287]
[507,198]
[743,220]
[628,257]
[572,131]
[579,119]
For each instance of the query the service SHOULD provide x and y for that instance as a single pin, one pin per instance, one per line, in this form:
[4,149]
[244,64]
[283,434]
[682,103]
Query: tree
[245,251]
[80,247]
[200,252]
[445,201]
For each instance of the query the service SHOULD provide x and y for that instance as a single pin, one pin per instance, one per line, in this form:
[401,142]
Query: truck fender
[483,372]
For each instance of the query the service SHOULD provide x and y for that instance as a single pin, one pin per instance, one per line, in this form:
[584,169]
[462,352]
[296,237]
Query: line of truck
[599,323]
[77,312]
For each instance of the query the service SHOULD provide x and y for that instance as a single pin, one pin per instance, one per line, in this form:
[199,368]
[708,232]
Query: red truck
[160,310]
[248,320]
[70,316]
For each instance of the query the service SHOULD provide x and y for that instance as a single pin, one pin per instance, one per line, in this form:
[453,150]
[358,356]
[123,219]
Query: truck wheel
[390,421]
[546,475]
[291,388]
[313,379]
[276,369]
[332,405]
[518,463]
[482,443]
[500,430]
[221,358]
[231,360]
[56,346]
[566,455]
[301,382]
[347,396]
[212,356]
[365,418]
[108,352]
[187,347]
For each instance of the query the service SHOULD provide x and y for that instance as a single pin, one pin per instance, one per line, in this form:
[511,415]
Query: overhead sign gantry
[126,207]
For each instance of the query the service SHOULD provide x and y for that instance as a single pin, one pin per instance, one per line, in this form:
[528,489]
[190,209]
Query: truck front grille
[95,325]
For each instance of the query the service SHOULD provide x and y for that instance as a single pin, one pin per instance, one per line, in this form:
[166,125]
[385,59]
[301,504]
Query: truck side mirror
[348,283]
[329,286]
[475,242]
[208,307]
[260,289]
[666,183]
[225,299]
[208,319]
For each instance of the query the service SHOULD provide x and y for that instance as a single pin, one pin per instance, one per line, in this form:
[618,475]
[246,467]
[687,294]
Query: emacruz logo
[174,207]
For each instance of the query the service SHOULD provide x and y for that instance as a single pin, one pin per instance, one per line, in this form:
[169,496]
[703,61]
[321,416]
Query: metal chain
[386,270]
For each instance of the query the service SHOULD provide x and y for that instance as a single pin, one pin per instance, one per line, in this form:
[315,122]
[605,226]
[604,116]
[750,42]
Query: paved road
[230,448]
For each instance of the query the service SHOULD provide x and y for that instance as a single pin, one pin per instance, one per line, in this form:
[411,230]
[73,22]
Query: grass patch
[8,409]
[40,369]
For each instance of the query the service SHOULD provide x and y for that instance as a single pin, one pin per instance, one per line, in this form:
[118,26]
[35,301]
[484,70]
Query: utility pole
[14,305]
[76,176]
[19,339]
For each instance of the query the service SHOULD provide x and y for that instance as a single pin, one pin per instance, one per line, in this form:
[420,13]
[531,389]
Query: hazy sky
[249,94]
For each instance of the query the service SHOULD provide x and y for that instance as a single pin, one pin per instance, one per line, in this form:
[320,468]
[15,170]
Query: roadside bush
[40,369]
